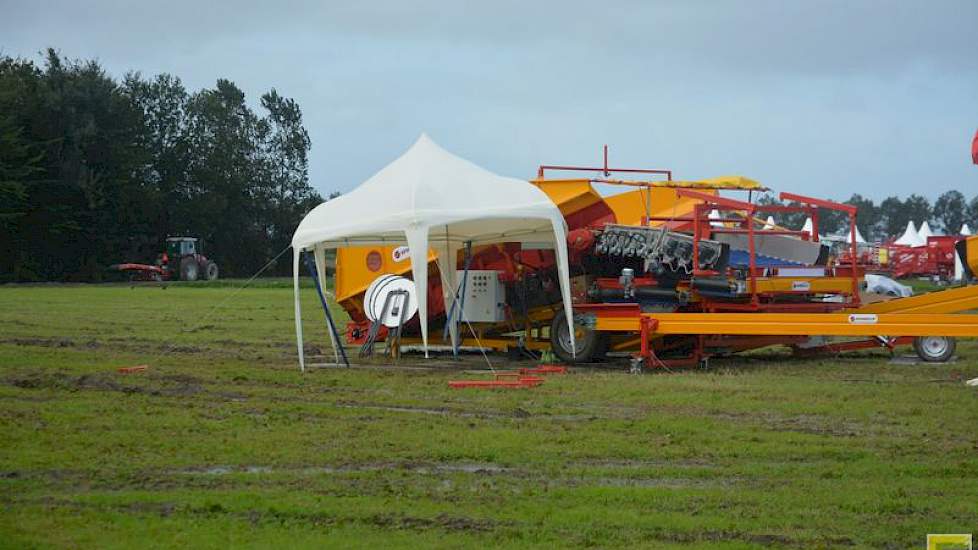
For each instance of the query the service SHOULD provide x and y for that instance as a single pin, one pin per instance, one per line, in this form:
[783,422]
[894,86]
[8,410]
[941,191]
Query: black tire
[211,271]
[189,270]
[591,345]
[935,349]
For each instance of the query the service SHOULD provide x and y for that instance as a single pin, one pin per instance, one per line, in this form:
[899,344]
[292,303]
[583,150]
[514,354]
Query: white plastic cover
[880,284]
[430,198]
[910,237]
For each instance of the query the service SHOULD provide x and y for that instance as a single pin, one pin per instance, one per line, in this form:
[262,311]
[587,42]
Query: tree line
[878,222]
[94,171]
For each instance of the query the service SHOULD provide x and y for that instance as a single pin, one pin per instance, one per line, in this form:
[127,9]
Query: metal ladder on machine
[395,304]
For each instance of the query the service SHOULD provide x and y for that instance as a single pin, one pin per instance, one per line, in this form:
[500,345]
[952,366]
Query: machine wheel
[189,269]
[935,349]
[211,271]
[590,345]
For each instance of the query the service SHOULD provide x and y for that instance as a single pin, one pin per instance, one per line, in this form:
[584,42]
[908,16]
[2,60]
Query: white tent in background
[910,237]
[769,224]
[965,230]
[859,237]
[925,232]
[809,226]
[715,215]
[431,198]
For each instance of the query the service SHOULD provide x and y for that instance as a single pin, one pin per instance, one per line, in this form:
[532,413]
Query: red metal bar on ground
[521,382]
[544,369]
[130,370]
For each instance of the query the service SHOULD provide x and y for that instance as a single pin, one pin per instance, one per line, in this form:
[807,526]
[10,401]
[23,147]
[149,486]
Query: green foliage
[896,213]
[951,209]
[867,216]
[93,172]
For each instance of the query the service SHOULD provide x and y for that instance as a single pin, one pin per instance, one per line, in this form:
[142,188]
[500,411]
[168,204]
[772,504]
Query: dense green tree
[93,171]
[972,216]
[895,213]
[867,216]
[951,209]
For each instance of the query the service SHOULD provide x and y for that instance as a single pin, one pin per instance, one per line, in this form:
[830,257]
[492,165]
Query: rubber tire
[211,271]
[189,270]
[948,351]
[593,344]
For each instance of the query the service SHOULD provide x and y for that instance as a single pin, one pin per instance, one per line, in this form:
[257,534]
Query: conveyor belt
[952,300]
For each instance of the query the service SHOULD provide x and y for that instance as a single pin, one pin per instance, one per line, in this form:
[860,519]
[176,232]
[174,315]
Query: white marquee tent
[809,226]
[910,237]
[965,230]
[925,231]
[431,198]
[859,237]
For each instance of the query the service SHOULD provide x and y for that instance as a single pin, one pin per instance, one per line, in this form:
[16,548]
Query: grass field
[223,442]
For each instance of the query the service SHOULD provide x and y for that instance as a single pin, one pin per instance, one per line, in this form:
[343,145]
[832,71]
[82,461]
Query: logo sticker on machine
[401,253]
[863,319]
[801,286]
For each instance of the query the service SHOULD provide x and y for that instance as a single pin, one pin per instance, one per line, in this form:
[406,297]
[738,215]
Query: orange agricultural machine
[669,271]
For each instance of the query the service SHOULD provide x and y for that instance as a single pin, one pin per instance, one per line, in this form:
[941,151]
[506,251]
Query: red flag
[974,149]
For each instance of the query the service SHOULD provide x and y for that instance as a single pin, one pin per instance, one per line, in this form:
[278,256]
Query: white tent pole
[296,253]
[417,238]
[320,257]
[447,263]
[563,273]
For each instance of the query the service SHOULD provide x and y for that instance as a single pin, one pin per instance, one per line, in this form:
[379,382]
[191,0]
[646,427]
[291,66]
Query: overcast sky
[824,98]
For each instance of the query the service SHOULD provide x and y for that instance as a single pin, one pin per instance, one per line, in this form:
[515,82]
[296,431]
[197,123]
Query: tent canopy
[430,198]
[859,237]
[910,237]
[925,231]
[809,226]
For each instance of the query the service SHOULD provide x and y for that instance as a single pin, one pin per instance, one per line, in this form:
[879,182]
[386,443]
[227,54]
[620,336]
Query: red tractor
[181,260]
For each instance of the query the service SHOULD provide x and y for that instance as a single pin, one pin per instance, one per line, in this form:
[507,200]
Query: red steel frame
[606,170]
[702,228]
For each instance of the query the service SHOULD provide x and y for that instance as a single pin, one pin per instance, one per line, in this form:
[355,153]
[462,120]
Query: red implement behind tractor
[181,260]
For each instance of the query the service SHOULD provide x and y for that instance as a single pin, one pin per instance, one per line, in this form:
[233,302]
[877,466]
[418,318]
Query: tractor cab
[178,247]
[184,260]
[181,246]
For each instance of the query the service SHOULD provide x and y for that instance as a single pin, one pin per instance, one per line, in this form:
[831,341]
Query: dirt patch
[645,463]
[103,382]
[444,521]
[517,413]
[416,467]
[50,342]
[804,423]
[441,521]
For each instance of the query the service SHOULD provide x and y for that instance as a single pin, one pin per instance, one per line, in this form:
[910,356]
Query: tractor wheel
[935,349]
[189,269]
[211,271]
[590,345]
